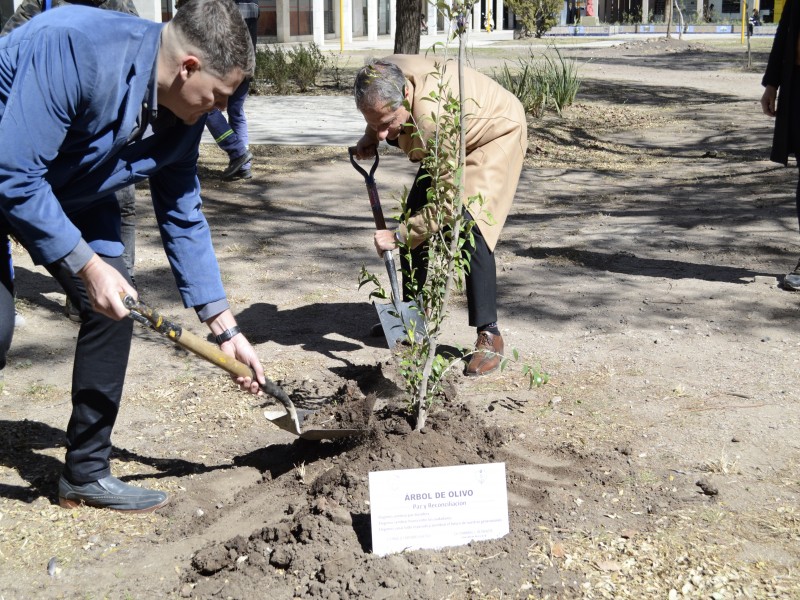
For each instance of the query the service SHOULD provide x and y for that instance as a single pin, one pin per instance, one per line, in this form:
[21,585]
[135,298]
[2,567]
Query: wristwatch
[227,335]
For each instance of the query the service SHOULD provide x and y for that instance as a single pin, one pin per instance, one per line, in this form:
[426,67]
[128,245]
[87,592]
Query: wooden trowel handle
[197,345]
[205,349]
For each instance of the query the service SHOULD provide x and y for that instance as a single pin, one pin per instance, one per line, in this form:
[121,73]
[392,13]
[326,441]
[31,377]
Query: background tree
[536,16]
[406,39]
[668,17]
[677,7]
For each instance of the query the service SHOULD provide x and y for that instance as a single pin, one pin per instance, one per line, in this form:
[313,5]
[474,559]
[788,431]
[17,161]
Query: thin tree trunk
[422,409]
[680,20]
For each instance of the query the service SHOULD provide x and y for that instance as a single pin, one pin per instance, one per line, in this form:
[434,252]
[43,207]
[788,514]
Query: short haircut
[380,82]
[216,28]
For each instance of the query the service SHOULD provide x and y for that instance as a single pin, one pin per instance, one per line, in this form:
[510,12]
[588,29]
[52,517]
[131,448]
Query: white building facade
[325,21]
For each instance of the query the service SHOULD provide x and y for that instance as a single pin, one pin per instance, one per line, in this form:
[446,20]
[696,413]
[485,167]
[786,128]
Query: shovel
[290,420]
[398,319]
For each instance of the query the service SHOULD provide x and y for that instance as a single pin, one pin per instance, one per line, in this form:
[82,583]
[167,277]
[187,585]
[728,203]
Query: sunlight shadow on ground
[630,264]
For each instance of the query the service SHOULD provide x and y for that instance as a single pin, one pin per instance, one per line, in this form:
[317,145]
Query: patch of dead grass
[573,141]
[32,534]
[680,559]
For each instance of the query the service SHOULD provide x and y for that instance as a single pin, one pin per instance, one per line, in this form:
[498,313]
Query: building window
[166,11]
[384,17]
[329,24]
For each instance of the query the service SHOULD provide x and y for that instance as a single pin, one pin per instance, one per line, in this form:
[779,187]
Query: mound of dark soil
[322,548]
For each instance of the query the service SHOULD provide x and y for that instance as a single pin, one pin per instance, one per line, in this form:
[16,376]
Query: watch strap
[227,335]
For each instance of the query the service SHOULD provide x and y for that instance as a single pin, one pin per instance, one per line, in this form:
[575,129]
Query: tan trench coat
[496,138]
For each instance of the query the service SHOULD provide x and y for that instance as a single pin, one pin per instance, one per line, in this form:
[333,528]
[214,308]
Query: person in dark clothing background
[753,22]
[231,134]
[782,77]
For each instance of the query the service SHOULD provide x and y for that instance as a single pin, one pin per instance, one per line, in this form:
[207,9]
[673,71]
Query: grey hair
[217,29]
[380,82]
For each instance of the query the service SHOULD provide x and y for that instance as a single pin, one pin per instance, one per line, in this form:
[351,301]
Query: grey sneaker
[110,492]
[792,280]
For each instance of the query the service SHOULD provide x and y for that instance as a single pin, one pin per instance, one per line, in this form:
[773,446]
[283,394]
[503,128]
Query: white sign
[437,507]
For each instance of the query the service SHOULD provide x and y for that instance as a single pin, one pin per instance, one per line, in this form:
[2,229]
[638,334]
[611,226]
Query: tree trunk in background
[668,17]
[406,40]
[680,19]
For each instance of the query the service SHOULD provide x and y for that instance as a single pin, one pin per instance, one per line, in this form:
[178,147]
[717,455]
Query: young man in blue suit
[92,101]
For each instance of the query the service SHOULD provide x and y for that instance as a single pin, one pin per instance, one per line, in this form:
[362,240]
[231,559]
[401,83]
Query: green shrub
[536,16]
[298,69]
[525,85]
[563,80]
[306,65]
[541,82]
[272,66]
[337,68]
[634,17]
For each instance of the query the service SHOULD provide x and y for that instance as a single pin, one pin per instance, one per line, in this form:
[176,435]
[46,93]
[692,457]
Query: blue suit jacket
[72,84]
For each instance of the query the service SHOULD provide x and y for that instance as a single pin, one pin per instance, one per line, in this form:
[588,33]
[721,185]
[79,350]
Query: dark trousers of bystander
[231,133]
[794,130]
[126,197]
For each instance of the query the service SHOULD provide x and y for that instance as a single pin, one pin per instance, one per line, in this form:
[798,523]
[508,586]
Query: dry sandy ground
[640,268]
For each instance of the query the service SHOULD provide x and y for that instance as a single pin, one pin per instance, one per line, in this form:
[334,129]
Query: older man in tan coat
[496,139]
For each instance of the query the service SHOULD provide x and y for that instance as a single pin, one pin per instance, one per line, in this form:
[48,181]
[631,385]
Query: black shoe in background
[235,166]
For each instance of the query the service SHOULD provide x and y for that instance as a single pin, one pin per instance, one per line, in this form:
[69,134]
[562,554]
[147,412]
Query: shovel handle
[391,270]
[200,347]
[372,188]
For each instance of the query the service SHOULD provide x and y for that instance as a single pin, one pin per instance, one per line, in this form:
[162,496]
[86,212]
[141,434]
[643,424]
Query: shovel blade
[398,321]
[282,419]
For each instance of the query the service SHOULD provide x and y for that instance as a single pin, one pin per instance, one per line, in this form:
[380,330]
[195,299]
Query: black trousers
[797,193]
[481,281]
[98,375]
[794,130]
[98,372]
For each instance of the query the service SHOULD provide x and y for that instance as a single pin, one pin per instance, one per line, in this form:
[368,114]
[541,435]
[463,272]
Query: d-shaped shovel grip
[372,188]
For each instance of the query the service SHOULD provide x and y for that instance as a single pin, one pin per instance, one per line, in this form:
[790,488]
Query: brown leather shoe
[487,355]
